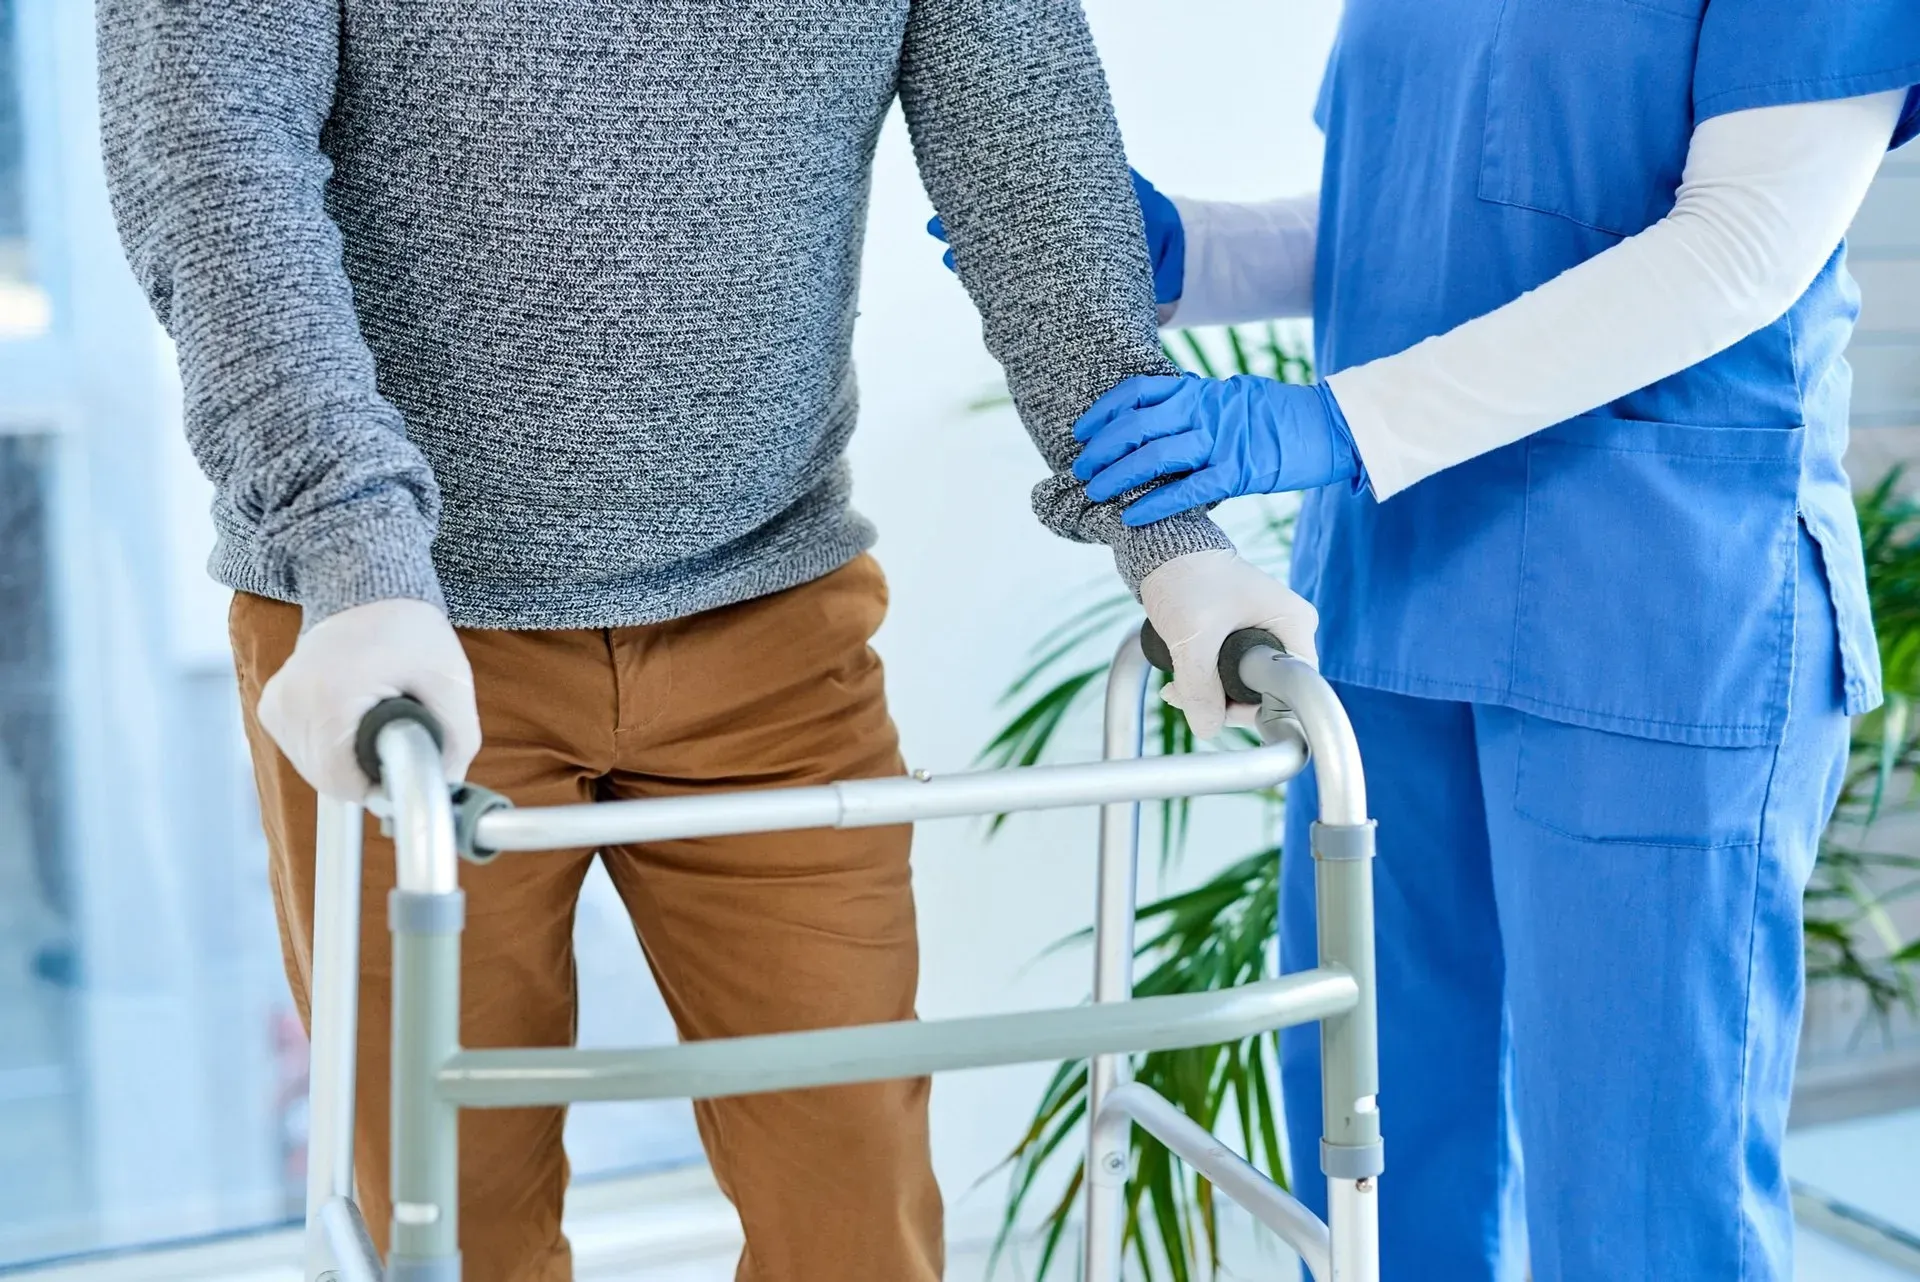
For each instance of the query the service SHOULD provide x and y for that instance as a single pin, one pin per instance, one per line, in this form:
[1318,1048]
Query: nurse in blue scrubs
[1589,581]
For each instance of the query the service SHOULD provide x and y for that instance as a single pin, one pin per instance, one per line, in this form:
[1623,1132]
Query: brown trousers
[751,934]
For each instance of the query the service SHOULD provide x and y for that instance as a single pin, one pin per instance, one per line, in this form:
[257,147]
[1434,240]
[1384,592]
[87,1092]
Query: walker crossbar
[876,1052]
[433,1078]
[873,803]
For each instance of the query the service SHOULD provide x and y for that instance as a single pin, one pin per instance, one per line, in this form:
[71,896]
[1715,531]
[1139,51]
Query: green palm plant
[1221,932]
[1851,937]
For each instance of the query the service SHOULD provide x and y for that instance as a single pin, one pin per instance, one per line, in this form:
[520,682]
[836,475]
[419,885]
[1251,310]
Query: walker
[434,827]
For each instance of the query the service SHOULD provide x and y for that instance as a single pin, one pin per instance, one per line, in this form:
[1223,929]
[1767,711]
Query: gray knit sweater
[543,308]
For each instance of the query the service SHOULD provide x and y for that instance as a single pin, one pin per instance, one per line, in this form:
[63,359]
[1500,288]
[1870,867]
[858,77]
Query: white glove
[352,660]
[1195,602]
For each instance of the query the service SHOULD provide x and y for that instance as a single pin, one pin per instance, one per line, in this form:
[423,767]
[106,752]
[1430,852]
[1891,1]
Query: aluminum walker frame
[433,1078]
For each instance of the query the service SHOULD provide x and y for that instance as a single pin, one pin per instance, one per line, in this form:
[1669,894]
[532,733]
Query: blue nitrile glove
[1166,241]
[1222,437]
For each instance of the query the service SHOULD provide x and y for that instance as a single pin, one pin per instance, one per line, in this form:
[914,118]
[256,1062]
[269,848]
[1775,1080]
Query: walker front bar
[878,1052]
[871,803]
[433,1078]
[1254,668]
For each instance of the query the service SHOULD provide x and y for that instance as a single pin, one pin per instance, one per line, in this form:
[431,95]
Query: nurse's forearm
[1766,198]
[1247,262]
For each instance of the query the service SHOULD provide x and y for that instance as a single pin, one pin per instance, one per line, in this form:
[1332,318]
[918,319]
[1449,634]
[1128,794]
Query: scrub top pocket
[1590,109]
[1657,574]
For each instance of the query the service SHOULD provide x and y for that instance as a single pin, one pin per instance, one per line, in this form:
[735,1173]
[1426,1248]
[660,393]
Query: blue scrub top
[1632,569]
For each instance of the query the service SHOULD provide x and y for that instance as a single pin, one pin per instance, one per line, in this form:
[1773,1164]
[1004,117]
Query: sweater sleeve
[1018,147]
[212,114]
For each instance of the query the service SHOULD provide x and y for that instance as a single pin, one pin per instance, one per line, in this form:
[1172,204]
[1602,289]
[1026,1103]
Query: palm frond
[1202,362]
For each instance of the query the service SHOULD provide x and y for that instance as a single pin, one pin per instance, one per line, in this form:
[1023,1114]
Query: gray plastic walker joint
[1343,842]
[1353,1161]
[415,913]
[471,804]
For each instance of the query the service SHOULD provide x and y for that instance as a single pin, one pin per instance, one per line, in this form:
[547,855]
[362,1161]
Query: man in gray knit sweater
[515,337]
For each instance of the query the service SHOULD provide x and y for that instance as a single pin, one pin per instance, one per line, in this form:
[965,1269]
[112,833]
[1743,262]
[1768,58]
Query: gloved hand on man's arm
[1199,599]
[350,661]
[1211,439]
[1166,241]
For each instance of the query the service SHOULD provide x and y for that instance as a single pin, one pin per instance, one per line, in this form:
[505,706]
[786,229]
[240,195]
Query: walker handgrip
[382,715]
[1232,650]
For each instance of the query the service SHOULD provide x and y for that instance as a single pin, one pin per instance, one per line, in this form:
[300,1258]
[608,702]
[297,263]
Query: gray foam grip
[1232,650]
[378,718]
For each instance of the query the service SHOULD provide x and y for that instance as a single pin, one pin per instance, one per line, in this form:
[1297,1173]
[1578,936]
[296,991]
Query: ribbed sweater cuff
[1140,550]
[357,561]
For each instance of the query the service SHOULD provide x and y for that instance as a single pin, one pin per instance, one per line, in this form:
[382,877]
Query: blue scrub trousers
[1590,954]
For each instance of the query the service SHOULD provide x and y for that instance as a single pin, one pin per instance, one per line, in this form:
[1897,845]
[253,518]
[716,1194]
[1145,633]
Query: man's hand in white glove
[1195,602]
[352,660]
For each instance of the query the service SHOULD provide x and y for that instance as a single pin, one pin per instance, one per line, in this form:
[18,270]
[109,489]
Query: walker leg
[334,1015]
[1351,1152]
[426,1026]
[1107,1146]
[426,913]
[354,1258]
[1353,1206]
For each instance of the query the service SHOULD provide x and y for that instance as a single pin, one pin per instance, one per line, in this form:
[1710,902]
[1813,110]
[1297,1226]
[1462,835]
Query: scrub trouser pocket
[1589,953]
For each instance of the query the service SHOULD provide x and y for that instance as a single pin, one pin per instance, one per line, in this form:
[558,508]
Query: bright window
[23,304]
[152,1069]
[43,1184]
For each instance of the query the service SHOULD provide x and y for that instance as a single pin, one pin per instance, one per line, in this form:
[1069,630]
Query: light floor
[1872,1163]
[675,1227]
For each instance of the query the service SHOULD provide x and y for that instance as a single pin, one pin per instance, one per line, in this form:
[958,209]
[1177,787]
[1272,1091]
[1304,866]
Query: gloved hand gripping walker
[433,1078]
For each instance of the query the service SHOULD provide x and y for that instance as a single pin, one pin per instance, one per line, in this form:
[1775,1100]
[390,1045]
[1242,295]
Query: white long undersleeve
[1766,196]
[1246,262]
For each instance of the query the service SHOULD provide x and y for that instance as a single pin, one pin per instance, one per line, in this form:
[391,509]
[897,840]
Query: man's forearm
[1018,147]
[211,116]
